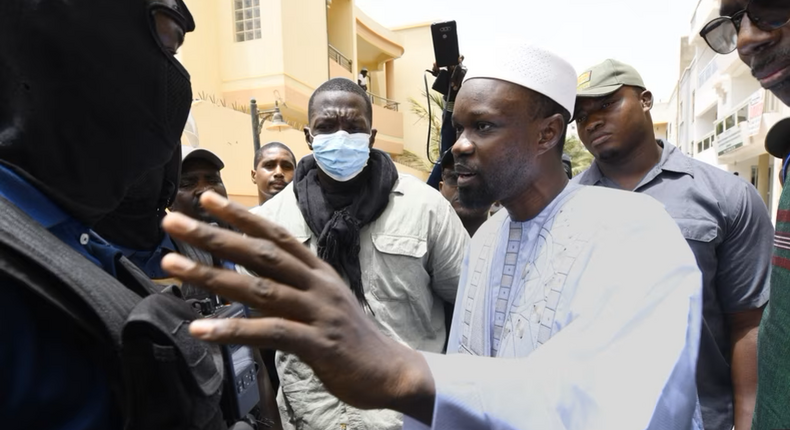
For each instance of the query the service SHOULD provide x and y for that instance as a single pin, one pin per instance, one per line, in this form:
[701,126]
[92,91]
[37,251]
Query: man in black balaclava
[63,170]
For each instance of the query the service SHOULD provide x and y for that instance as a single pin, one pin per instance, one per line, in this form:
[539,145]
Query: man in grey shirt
[721,216]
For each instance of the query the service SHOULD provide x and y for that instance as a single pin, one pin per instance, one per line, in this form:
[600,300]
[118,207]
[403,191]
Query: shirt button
[84,238]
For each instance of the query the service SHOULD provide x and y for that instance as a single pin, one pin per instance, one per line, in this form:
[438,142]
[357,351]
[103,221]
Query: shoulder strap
[37,259]
[188,290]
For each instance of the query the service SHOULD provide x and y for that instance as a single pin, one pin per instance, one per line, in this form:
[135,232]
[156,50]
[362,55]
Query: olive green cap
[605,78]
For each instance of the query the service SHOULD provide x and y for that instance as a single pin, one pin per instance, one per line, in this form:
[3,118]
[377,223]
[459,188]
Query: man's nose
[462,146]
[752,40]
[594,122]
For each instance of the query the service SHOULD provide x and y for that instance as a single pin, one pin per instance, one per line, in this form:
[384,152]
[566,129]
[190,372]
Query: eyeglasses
[721,34]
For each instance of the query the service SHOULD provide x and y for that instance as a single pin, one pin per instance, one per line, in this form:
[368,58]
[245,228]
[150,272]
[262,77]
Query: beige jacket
[411,259]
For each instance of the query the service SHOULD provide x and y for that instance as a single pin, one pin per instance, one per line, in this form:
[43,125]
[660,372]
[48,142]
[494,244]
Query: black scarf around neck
[338,229]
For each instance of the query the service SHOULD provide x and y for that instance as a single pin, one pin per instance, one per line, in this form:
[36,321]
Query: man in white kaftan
[597,295]
[589,297]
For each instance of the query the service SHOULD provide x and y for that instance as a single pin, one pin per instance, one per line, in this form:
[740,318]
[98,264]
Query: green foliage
[580,157]
[420,109]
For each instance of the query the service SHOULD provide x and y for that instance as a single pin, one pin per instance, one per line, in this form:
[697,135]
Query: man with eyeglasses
[763,43]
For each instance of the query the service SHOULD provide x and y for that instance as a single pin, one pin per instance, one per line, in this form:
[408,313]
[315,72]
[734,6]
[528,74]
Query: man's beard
[476,197]
[607,155]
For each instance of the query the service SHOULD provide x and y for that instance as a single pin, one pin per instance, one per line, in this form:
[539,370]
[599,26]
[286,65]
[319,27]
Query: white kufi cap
[529,66]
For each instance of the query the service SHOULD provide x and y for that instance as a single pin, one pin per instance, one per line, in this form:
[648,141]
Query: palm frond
[580,157]
[437,107]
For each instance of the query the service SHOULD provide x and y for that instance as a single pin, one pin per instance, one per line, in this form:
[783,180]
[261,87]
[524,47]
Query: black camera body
[240,395]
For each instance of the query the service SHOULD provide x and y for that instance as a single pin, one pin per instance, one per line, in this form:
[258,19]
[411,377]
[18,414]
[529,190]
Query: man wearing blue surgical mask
[396,241]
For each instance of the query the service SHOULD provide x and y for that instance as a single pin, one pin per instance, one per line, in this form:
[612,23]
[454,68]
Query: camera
[240,395]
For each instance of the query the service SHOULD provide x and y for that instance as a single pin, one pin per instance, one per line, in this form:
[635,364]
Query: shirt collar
[672,160]
[399,188]
[29,199]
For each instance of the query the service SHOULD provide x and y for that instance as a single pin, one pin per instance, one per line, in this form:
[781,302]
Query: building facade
[278,52]
[721,114]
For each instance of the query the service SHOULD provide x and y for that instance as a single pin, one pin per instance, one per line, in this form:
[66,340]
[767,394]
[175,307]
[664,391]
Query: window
[699,147]
[720,128]
[743,114]
[729,122]
[247,15]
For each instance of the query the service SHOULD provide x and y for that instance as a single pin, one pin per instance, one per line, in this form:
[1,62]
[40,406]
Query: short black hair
[343,85]
[259,153]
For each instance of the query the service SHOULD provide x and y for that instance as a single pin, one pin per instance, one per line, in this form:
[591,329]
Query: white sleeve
[628,360]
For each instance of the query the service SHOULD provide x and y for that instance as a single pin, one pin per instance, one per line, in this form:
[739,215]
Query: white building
[722,115]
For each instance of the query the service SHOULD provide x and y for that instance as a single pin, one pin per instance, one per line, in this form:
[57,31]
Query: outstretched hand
[308,310]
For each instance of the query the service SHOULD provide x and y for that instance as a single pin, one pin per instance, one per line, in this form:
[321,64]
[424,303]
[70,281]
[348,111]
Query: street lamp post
[259,117]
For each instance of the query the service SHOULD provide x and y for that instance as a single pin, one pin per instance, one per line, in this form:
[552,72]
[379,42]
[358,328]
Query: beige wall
[417,56]
[378,83]
[338,71]
[660,130]
[201,49]
[763,181]
[341,27]
[241,62]
[305,41]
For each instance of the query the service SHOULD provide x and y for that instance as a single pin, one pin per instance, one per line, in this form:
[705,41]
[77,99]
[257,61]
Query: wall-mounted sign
[730,140]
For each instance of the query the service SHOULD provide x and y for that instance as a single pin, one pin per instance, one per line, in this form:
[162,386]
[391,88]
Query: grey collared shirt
[727,226]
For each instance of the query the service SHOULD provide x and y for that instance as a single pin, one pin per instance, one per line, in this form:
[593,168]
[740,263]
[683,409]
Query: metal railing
[383,102]
[339,58]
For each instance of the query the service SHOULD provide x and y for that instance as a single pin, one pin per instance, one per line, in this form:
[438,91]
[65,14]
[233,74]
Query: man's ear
[647,100]
[373,137]
[252,175]
[308,138]
[551,131]
[441,185]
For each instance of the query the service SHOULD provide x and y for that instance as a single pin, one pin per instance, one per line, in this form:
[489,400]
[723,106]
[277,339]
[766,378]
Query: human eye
[483,126]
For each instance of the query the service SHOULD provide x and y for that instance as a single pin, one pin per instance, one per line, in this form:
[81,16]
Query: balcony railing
[384,102]
[339,58]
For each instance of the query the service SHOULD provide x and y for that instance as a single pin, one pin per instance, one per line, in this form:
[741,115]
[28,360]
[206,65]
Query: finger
[256,226]
[269,333]
[259,255]
[265,295]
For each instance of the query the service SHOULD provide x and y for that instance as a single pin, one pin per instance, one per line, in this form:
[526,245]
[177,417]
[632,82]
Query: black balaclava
[90,101]
[137,222]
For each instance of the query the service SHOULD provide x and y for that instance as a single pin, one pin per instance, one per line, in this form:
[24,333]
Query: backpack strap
[189,290]
[37,259]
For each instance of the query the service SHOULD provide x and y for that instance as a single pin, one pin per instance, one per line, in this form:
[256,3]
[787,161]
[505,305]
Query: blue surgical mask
[342,156]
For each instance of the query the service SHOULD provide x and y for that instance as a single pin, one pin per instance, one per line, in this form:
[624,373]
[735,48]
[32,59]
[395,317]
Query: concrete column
[777,189]
[389,72]
[762,177]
